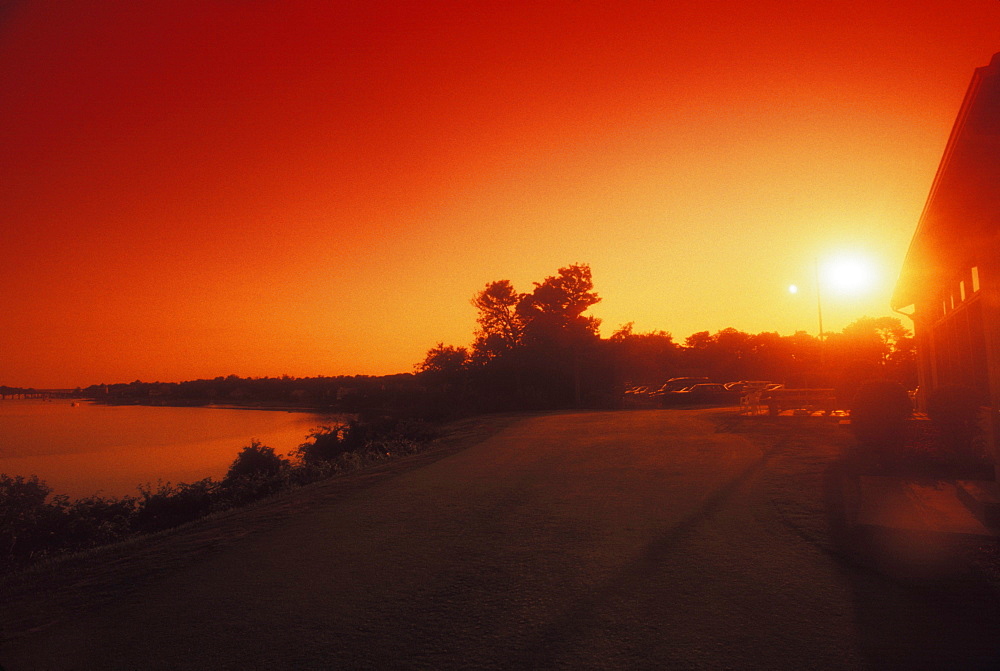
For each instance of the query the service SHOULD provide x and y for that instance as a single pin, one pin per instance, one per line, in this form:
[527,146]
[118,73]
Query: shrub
[348,461]
[330,442]
[249,488]
[391,430]
[954,409]
[385,435]
[94,520]
[22,511]
[170,506]
[255,460]
[878,419]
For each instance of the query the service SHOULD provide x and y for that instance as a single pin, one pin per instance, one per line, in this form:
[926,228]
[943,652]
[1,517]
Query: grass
[56,588]
[809,462]
[801,455]
[803,480]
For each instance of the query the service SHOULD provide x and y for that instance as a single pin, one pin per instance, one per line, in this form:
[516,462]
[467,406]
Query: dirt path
[640,539]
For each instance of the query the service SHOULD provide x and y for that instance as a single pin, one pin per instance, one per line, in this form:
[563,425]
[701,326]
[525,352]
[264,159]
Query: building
[950,281]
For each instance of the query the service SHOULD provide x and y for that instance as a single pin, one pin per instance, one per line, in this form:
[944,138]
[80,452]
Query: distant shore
[274,407]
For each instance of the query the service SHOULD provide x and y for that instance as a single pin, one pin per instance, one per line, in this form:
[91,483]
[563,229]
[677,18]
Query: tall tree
[804,356]
[443,363]
[500,326]
[643,358]
[877,338]
[560,301]
[871,348]
[733,350]
[559,340]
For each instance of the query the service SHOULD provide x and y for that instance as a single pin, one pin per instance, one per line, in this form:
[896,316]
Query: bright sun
[847,274]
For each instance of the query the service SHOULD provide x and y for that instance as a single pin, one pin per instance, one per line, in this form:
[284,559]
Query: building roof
[961,217]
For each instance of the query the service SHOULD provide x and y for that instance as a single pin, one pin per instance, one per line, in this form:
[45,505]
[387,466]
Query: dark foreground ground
[647,539]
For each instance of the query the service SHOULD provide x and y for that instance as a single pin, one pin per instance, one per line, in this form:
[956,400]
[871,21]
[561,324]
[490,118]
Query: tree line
[541,350]
[346,393]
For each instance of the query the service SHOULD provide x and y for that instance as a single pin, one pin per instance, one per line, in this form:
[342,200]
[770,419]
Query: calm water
[87,449]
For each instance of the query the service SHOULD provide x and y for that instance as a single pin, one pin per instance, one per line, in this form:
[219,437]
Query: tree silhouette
[871,348]
[444,366]
[255,460]
[559,341]
[542,350]
[643,358]
[558,303]
[530,350]
[500,325]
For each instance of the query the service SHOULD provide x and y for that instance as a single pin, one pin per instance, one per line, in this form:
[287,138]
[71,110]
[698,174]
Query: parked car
[744,386]
[705,393]
[678,383]
[748,391]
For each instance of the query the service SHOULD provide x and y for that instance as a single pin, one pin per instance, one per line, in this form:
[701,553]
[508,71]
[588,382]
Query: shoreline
[108,450]
[271,407]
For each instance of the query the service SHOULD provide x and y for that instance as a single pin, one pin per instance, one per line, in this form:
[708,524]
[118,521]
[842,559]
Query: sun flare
[848,274]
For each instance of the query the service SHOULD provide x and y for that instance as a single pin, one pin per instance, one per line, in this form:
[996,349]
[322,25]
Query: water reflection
[84,449]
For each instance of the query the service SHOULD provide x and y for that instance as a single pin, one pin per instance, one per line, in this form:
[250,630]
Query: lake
[84,449]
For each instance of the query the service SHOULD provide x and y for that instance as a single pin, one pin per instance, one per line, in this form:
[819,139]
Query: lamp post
[819,302]
[819,312]
[793,289]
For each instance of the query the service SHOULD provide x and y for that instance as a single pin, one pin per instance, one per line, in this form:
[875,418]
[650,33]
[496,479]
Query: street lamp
[819,311]
[819,304]
[794,289]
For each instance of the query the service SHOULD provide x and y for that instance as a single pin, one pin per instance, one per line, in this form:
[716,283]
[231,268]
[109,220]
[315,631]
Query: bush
[247,489]
[385,435]
[22,509]
[171,506]
[330,442]
[878,419]
[94,520]
[255,460]
[954,410]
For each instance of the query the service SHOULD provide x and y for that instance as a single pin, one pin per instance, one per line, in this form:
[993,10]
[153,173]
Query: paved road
[615,540]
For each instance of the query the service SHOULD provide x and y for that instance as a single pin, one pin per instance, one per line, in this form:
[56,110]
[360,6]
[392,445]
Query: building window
[961,290]
[975,279]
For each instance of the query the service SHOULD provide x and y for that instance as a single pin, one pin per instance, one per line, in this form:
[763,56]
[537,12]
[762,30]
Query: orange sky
[192,189]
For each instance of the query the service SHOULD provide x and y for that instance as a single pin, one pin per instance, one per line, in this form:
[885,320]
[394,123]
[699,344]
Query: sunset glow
[196,189]
[850,274]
